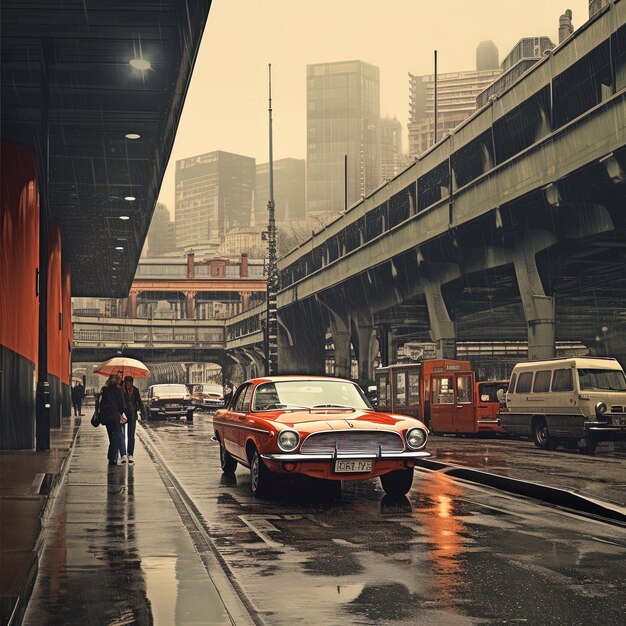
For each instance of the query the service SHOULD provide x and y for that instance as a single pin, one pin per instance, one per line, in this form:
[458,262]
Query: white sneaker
[131,461]
[124,459]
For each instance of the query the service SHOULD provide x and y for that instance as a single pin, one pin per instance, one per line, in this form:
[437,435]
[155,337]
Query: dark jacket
[132,402]
[78,393]
[110,404]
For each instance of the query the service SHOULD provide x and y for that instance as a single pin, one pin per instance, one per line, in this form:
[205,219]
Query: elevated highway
[510,228]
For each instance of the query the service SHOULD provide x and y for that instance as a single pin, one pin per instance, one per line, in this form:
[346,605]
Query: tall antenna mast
[271,323]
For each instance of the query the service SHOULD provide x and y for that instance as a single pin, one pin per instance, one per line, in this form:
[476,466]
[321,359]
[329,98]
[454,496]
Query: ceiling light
[130,198]
[140,64]
[119,248]
[124,217]
[132,135]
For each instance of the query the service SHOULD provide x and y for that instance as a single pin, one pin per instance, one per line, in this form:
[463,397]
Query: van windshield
[612,380]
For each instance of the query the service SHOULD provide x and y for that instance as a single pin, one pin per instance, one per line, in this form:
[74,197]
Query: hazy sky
[226,106]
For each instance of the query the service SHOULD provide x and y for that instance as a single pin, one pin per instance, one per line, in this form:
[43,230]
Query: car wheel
[190,416]
[541,435]
[587,445]
[260,477]
[227,463]
[397,483]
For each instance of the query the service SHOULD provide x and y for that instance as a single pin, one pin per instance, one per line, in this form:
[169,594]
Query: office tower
[456,101]
[343,115]
[486,56]
[596,5]
[391,159]
[524,54]
[214,193]
[289,191]
[160,240]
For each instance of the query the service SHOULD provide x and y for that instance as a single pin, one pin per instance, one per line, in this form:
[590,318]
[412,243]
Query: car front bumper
[384,456]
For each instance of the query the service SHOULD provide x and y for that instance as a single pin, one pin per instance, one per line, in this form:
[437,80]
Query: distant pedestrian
[110,406]
[133,406]
[228,392]
[78,393]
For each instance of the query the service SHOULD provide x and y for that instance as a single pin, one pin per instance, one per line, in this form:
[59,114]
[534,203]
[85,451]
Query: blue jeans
[116,439]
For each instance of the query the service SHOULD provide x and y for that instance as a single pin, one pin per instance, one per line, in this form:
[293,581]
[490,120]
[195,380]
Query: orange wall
[56,364]
[68,330]
[19,252]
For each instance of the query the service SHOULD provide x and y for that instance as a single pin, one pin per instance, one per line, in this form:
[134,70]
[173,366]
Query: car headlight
[416,438]
[288,440]
[601,408]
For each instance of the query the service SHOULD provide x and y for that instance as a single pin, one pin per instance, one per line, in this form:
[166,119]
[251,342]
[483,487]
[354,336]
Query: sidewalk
[115,551]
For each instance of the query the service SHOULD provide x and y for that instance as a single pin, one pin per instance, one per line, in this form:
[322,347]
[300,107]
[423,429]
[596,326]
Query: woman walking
[111,408]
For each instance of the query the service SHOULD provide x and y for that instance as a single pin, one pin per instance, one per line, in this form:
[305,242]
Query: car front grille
[352,442]
[616,408]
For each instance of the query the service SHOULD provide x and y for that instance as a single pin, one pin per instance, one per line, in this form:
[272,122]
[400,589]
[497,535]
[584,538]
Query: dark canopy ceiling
[66,77]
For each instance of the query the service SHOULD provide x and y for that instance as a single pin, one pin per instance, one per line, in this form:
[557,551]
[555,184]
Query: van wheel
[541,435]
[587,445]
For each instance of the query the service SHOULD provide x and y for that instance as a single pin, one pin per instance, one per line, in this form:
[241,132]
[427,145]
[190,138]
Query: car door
[235,432]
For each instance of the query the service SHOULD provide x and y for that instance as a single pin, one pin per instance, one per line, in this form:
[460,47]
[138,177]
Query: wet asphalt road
[451,553]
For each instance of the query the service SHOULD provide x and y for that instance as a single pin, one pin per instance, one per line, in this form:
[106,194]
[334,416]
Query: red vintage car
[318,426]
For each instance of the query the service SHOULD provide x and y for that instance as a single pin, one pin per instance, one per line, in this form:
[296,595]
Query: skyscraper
[213,194]
[486,56]
[289,190]
[343,115]
[391,159]
[160,240]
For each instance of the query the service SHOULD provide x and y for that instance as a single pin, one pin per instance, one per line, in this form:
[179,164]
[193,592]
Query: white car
[169,400]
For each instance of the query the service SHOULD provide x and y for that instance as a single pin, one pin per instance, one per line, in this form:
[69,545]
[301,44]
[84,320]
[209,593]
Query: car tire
[261,479]
[227,463]
[541,435]
[587,445]
[397,483]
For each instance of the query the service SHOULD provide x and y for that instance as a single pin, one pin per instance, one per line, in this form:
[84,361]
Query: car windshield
[488,392]
[163,390]
[612,380]
[309,394]
[209,389]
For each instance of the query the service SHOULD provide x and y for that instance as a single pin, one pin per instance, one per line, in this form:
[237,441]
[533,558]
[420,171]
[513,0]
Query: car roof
[607,363]
[294,378]
[169,385]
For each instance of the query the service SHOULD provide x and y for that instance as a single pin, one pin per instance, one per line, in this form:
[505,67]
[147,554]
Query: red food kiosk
[443,393]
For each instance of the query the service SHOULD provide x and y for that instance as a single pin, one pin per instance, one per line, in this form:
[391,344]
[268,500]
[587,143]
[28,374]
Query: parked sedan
[317,426]
[165,401]
[208,396]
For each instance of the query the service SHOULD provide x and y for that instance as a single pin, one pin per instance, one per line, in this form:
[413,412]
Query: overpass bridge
[510,228]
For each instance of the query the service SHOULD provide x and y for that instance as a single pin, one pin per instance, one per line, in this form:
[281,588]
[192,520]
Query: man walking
[132,406]
[78,393]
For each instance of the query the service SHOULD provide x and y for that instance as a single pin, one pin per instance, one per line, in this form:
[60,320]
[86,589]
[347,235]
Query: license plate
[172,406]
[353,466]
[619,421]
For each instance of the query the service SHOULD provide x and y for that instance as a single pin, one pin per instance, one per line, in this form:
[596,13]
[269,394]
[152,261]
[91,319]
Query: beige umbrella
[123,366]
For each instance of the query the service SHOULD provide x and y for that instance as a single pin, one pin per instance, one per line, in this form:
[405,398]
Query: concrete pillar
[340,331]
[442,330]
[191,266]
[301,341]
[367,347]
[245,300]
[133,303]
[255,360]
[190,298]
[538,307]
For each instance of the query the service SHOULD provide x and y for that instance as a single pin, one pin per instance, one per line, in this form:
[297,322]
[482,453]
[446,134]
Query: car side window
[563,380]
[242,401]
[542,381]
[511,388]
[524,382]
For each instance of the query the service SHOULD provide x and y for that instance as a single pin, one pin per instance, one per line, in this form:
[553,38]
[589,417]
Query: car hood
[172,396]
[324,419]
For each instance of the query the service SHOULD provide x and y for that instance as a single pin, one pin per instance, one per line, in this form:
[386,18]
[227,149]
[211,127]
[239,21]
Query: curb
[562,498]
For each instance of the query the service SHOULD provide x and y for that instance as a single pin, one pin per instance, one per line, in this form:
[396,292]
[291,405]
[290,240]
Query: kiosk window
[414,388]
[383,391]
[524,382]
[464,389]
[542,381]
[563,380]
[443,390]
[401,388]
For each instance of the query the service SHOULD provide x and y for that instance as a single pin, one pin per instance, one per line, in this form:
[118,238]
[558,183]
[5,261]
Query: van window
[524,382]
[512,383]
[562,380]
[542,381]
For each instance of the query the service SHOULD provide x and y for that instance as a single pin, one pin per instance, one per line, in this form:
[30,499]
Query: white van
[575,402]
